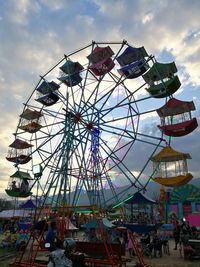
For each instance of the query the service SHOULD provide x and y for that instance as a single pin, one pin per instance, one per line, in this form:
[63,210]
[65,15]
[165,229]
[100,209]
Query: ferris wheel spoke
[104,98]
[129,134]
[111,154]
[84,86]
[117,161]
[123,104]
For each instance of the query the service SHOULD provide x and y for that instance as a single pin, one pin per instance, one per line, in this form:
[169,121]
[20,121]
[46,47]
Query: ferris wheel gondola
[19,185]
[20,152]
[171,167]
[176,118]
[161,80]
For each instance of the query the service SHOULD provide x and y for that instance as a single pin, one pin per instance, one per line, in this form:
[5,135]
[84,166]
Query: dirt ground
[172,260]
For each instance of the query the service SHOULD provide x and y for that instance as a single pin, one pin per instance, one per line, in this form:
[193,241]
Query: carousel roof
[168,154]
[28,205]
[139,198]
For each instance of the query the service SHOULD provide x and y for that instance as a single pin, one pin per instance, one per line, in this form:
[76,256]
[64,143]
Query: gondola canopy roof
[168,154]
[21,175]
[175,107]
[29,114]
[20,144]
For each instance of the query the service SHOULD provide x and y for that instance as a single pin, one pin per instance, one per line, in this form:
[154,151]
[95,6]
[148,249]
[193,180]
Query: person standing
[130,246]
[57,258]
[51,236]
[176,233]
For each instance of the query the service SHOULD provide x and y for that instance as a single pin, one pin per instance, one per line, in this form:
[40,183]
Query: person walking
[51,236]
[176,233]
[57,258]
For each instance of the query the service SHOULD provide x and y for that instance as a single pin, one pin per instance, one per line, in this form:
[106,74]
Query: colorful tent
[104,223]
[28,205]
[7,214]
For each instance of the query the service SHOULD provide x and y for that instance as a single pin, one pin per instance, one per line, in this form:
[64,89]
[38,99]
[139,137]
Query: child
[130,246]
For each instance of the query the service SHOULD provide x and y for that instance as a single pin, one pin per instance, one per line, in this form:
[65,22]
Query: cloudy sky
[35,34]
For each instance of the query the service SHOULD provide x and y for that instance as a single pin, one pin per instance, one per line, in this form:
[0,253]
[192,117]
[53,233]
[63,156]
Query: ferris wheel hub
[90,126]
[77,117]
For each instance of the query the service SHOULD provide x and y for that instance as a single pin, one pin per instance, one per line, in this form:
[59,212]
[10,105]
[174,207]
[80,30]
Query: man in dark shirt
[51,236]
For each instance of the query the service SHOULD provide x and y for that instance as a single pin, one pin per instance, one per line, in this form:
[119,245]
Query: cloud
[18,12]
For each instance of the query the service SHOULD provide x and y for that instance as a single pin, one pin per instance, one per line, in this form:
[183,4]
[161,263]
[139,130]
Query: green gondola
[19,185]
[161,80]
[164,89]
[12,193]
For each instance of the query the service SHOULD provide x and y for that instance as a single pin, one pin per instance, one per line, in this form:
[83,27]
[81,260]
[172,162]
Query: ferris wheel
[81,131]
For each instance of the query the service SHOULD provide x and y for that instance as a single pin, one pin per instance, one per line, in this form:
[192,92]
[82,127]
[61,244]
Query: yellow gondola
[174,181]
[170,167]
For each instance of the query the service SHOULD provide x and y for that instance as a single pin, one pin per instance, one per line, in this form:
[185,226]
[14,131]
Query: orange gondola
[20,152]
[170,167]
[30,121]
[176,119]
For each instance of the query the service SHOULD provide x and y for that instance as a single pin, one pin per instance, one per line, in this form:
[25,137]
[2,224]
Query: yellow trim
[174,181]
[169,154]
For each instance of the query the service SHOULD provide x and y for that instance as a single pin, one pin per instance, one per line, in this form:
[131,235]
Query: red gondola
[176,119]
[20,152]
[100,59]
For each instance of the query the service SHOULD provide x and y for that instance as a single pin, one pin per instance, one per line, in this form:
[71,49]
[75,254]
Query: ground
[172,260]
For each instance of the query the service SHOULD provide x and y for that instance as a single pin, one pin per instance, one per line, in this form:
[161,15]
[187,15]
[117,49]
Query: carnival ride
[82,126]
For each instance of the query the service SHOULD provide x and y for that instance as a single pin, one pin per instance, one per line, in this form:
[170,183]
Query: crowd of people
[152,244]
[183,232]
